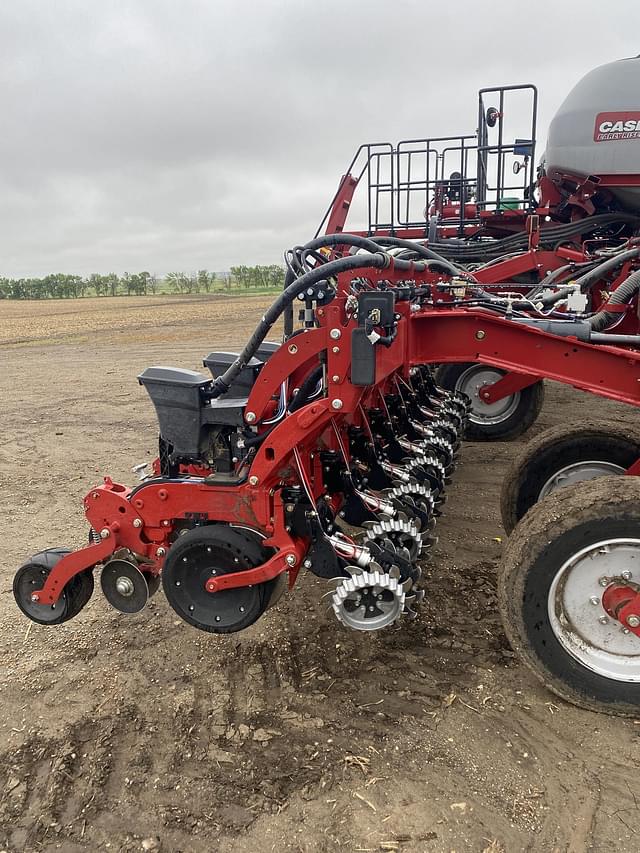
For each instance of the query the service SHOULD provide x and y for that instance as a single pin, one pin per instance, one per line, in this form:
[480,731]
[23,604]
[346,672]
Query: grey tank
[596,131]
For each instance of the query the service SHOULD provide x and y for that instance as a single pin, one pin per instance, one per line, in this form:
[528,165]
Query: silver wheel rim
[578,472]
[578,619]
[471,382]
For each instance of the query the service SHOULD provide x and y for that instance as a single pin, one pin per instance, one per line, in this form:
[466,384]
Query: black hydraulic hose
[353,262]
[426,253]
[620,296]
[586,281]
[361,243]
[553,276]
[341,239]
[552,298]
[305,389]
[473,249]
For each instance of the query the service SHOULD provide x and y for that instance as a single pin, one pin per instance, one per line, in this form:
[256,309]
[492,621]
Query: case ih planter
[331,451]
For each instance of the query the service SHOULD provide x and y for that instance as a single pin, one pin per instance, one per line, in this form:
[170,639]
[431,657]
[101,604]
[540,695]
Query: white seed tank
[596,131]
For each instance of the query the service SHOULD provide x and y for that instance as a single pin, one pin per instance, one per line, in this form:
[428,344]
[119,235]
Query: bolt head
[291,559]
[105,533]
[161,552]
[253,480]
[633,620]
[336,404]
[335,334]
[250,417]
[604,581]
[626,576]
[335,378]
[35,597]
[594,600]
[137,522]
[480,335]
[335,350]
[603,620]
[293,349]
[307,564]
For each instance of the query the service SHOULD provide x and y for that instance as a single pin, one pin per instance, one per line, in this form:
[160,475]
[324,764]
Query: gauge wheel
[500,421]
[550,586]
[562,456]
[33,575]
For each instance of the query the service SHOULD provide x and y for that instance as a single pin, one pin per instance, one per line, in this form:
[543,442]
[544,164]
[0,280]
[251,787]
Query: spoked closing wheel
[33,574]
[203,553]
[562,456]
[403,534]
[504,419]
[560,561]
[371,599]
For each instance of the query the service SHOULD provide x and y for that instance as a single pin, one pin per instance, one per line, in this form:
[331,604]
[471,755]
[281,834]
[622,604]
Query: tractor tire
[564,455]
[549,593]
[501,421]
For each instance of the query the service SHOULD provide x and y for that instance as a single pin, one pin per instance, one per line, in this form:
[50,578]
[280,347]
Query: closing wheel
[562,456]
[550,587]
[506,418]
[215,550]
[33,574]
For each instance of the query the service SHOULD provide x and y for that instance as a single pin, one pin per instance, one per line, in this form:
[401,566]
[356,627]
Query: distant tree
[205,280]
[180,282]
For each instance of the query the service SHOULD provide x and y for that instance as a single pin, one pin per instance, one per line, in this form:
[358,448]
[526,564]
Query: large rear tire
[561,456]
[549,593]
[500,421]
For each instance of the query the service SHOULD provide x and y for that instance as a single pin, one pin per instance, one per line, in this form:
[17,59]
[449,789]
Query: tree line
[62,286]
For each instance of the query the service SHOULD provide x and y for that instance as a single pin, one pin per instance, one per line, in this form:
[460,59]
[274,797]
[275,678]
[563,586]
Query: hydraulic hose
[305,389]
[286,298]
[370,246]
[586,281]
[620,296]
[553,276]
[340,240]
[551,234]
[426,253]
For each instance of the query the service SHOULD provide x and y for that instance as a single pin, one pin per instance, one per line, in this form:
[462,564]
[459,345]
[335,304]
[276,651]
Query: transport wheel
[550,586]
[503,420]
[206,551]
[561,456]
[33,575]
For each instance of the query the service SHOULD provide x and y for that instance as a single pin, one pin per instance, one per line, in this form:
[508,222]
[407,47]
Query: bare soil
[140,733]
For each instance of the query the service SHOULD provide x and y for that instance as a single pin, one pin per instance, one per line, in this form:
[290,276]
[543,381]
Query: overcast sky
[181,134]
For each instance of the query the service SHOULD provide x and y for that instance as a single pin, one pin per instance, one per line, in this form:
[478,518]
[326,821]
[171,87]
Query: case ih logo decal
[620,125]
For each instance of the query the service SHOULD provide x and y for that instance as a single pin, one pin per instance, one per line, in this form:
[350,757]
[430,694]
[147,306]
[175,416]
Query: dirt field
[140,733]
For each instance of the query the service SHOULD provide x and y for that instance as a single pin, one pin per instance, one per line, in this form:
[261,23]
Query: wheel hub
[577,615]
[576,473]
[471,383]
[124,586]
